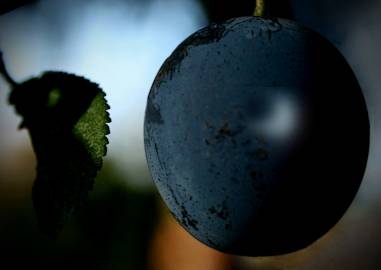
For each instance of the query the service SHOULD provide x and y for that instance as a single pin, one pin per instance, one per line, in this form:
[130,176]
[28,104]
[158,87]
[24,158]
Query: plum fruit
[256,135]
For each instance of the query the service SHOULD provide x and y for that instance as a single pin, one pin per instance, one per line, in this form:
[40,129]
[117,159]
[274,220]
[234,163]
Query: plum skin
[256,135]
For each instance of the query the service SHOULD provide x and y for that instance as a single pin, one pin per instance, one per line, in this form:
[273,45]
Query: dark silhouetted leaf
[67,118]
[9,5]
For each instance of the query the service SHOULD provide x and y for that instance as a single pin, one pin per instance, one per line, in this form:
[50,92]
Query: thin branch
[5,73]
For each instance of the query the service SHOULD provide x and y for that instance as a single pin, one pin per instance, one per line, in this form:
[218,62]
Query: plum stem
[5,73]
[259,8]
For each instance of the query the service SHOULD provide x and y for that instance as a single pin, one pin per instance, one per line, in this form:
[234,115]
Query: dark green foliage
[112,231]
[221,10]
[67,118]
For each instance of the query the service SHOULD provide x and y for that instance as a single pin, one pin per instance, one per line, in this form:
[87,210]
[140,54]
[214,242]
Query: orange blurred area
[173,248]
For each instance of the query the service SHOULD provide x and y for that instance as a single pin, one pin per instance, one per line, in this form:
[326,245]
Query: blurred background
[121,44]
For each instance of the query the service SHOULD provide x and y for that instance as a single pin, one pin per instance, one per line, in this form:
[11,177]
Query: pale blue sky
[116,43]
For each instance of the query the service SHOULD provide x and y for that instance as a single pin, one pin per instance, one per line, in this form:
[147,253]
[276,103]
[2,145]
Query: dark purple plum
[256,135]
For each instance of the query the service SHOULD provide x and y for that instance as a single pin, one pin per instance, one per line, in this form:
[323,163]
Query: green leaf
[67,118]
